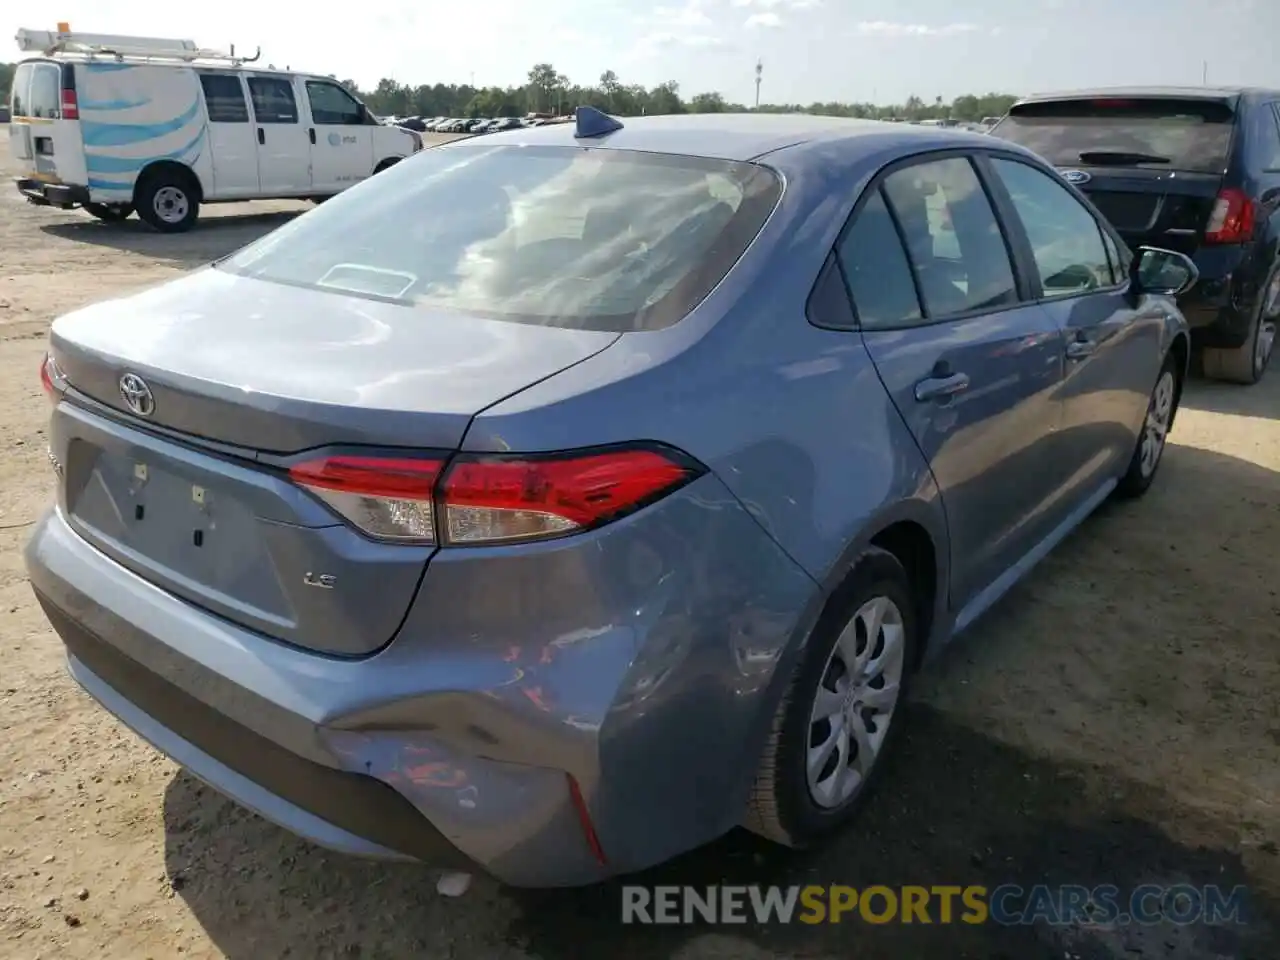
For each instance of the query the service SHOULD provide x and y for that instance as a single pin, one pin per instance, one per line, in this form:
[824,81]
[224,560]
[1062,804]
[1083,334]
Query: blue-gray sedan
[553,502]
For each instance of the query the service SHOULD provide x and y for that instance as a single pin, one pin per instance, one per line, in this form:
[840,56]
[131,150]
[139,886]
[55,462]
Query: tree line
[548,91]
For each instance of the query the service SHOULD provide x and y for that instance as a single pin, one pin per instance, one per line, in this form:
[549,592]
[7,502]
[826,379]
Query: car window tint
[224,98]
[1065,238]
[875,266]
[557,236]
[952,237]
[273,100]
[331,105]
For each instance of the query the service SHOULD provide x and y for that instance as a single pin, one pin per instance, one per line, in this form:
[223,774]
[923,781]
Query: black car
[1195,170]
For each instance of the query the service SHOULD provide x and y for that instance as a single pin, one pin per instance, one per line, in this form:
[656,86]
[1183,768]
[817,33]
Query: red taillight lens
[493,499]
[52,380]
[1232,219]
[70,107]
[390,499]
[500,499]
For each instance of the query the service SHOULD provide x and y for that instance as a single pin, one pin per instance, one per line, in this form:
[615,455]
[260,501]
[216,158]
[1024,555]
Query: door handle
[312,132]
[262,135]
[1271,196]
[940,388]
[1079,349]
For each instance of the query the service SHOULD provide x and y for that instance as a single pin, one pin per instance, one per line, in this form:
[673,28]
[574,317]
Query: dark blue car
[609,501]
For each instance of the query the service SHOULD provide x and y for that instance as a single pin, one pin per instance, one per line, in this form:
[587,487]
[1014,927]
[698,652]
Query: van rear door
[21,145]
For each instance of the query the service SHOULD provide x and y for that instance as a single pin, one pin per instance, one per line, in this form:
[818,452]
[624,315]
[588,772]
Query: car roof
[738,136]
[1180,93]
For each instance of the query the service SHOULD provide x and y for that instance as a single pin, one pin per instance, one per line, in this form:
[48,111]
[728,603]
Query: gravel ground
[1114,720]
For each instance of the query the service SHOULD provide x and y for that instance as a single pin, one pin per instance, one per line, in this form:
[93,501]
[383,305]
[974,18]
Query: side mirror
[1161,272]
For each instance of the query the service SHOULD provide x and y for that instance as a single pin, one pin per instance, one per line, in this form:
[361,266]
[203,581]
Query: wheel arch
[173,168]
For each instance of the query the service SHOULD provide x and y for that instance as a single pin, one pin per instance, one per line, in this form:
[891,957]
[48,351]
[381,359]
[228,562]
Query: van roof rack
[63,40]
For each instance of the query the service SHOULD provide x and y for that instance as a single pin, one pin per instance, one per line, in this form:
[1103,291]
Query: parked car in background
[224,129]
[559,553]
[416,124]
[1195,170]
[505,123]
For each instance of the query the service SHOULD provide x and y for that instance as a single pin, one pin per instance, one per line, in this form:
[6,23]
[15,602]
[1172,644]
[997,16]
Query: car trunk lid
[1152,207]
[243,375]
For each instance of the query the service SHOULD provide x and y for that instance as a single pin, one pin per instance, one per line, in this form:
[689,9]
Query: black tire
[1245,364]
[782,806]
[110,212]
[386,164]
[167,200]
[1143,466]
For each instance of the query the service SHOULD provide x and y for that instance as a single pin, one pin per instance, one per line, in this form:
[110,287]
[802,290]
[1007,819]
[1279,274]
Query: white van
[116,124]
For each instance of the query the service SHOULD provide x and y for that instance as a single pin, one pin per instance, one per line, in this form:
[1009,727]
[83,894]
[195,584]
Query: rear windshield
[1164,133]
[567,237]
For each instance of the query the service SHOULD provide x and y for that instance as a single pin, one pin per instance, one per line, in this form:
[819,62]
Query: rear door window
[1158,132]
[20,94]
[46,91]
[556,236]
[952,236]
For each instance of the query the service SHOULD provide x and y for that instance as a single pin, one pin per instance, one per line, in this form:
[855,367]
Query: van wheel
[841,709]
[389,162]
[110,212]
[167,201]
[1248,362]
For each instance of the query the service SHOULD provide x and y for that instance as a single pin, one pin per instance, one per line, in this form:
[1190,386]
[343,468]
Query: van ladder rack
[155,49]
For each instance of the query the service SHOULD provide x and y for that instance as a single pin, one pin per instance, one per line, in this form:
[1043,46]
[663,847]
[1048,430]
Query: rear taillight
[52,379]
[491,499]
[70,107]
[1232,219]
[391,499]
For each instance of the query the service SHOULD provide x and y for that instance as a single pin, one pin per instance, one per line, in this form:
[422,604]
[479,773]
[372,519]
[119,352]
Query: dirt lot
[1115,720]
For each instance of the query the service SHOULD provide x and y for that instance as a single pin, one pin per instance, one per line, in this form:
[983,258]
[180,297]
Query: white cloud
[884,28]
[654,43]
[690,15]
[763,20]
[771,4]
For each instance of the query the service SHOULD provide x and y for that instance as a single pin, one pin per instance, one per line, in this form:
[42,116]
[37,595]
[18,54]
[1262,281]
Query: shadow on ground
[211,238]
[955,807]
[1260,400]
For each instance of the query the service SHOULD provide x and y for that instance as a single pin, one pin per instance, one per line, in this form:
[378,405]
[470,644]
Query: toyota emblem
[1076,176]
[137,395]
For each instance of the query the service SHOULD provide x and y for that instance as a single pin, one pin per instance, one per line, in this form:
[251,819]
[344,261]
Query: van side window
[273,100]
[330,104]
[224,98]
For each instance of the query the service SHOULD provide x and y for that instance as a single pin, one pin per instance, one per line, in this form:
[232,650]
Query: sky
[812,50]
